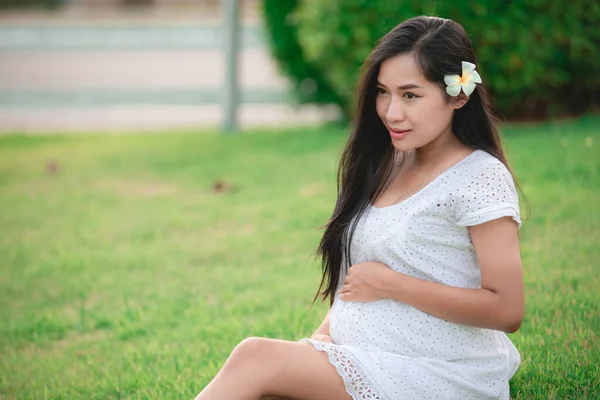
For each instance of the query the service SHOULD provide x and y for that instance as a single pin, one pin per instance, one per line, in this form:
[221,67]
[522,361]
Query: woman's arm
[322,332]
[499,304]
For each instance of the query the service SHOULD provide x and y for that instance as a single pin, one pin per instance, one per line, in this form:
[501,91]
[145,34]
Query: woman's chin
[402,145]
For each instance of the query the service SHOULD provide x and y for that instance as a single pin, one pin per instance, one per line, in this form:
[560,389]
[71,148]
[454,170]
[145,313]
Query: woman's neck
[443,147]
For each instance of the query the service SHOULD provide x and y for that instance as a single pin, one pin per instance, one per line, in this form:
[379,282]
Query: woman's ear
[459,101]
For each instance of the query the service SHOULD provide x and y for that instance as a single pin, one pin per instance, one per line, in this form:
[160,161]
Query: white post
[231,31]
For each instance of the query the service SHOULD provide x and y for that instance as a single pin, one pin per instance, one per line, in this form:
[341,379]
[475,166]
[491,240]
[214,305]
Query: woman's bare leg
[274,398]
[259,368]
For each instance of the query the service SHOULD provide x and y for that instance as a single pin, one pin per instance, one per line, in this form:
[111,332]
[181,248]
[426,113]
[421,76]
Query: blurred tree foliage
[539,57]
[25,4]
[282,32]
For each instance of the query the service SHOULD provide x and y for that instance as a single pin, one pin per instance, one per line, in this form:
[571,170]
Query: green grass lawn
[131,265]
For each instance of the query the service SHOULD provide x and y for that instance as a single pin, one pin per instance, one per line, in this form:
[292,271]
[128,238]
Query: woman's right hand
[321,337]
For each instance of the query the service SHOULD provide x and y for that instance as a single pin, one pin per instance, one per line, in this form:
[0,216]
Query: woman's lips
[398,133]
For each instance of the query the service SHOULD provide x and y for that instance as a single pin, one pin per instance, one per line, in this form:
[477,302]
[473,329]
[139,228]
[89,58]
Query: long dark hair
[438,45]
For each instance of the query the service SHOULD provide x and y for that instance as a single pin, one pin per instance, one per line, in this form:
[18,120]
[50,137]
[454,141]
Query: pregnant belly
[375,326]
[391,326]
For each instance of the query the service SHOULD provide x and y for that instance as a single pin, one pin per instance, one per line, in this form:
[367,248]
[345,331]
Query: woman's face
[413,109]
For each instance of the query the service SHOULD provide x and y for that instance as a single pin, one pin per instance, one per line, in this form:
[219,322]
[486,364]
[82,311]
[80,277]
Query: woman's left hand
[365,282]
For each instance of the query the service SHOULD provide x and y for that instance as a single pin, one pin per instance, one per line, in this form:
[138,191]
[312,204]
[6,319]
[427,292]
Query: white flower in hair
[466,82]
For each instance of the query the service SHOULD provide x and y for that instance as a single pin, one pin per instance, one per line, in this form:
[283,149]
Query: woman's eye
[381,90]
[410,96]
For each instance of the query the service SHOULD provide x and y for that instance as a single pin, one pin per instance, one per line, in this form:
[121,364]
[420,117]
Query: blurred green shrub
[282,33]
[539,57]
[28,4]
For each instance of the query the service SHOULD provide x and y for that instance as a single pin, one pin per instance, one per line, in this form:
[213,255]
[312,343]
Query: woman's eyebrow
[409,86]
[403,87]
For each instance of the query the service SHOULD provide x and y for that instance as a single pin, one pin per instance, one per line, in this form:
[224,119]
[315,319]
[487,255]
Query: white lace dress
[389,350]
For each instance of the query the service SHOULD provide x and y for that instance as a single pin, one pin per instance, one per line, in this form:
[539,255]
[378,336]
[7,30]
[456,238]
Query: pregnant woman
[421,261]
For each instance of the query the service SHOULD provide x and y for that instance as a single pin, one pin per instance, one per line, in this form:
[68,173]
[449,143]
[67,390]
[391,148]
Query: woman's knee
[274,398]
[249,351]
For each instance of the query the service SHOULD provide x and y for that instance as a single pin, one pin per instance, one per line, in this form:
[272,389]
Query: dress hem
[359,385]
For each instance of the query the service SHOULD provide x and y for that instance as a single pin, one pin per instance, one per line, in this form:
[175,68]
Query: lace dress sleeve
[489,193]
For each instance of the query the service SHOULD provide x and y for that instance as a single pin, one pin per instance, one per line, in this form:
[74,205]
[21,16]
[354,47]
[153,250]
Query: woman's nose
[395,111]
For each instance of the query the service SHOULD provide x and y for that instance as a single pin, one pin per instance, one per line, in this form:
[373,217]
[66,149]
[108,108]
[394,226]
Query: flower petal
[468,88]
[474,77]
[453,90]
[467,67]
[451,79]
